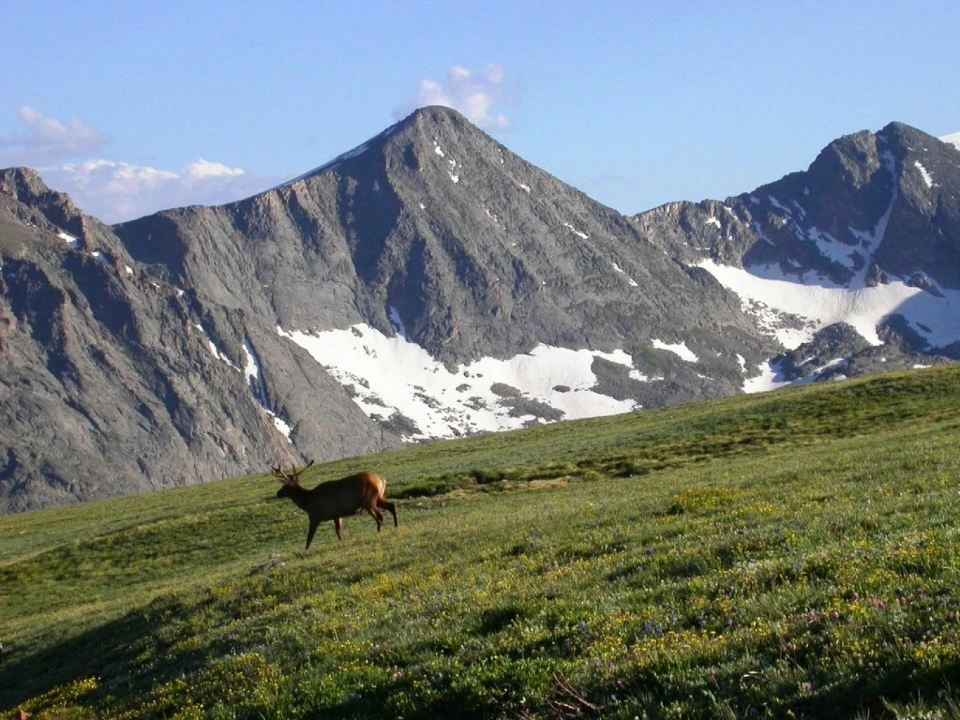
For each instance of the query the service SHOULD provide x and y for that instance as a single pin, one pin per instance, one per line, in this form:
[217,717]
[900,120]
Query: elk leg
[310,533]
[338,524]
[376,516]
[382,502]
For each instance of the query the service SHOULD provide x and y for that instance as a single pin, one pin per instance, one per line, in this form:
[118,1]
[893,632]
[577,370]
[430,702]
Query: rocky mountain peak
[923,229]
[26,187]
[430,283]
[851,162]
[22,183]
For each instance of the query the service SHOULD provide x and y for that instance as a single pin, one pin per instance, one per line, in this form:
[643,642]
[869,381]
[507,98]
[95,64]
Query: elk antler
[283,477]
[291,478]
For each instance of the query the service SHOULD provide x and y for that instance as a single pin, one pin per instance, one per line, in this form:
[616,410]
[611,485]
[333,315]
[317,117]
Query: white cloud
[49,140]
[471,93]
[67,155]
[116,191]
[206,169]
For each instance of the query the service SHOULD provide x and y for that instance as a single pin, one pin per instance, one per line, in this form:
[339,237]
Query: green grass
[789,554]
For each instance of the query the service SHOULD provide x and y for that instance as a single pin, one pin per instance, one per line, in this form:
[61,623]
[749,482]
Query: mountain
[864,244]
[105,385]
[435,247]
[430,284]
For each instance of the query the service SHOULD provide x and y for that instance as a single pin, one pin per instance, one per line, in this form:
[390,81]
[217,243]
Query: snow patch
[679,349]
[214,350]
[831,248]
[779,205]
[712,221]
[827,365]
[871,239]
[391,375]
[254,376]
[633,283]
[70,240]
[576,232]
[924,174]
[640,377]
[769,378]
[280,425]
[492,216]
[258,389]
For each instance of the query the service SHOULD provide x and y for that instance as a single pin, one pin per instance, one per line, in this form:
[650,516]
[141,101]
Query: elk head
[290,480]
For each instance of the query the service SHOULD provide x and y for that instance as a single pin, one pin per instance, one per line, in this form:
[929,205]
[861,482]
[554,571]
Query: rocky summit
[430,284]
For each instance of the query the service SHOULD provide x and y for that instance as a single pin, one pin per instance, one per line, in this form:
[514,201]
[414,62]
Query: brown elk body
[336,499]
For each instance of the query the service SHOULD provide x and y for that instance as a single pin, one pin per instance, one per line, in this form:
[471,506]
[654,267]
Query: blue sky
[133,106]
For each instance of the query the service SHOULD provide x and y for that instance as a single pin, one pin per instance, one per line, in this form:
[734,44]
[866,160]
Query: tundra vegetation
[792,554]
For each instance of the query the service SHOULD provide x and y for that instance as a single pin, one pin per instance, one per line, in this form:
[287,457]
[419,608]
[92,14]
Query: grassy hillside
[789,554]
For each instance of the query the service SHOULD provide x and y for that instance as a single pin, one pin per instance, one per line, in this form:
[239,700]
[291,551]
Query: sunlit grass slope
[788,554]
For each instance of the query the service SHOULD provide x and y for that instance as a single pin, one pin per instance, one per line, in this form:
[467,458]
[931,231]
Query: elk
[336,499]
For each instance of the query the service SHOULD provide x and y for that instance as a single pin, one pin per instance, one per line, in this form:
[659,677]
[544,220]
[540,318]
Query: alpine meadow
[784,554]
[479,361]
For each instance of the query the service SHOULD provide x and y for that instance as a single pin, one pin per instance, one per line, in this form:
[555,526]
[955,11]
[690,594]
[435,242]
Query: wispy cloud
[475,94]
[49,140]
[68,156]
[118,191]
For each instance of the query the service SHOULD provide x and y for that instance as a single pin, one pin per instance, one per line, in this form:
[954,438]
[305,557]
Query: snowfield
[936,319]
[389,377]
[393,375]
[772,295]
